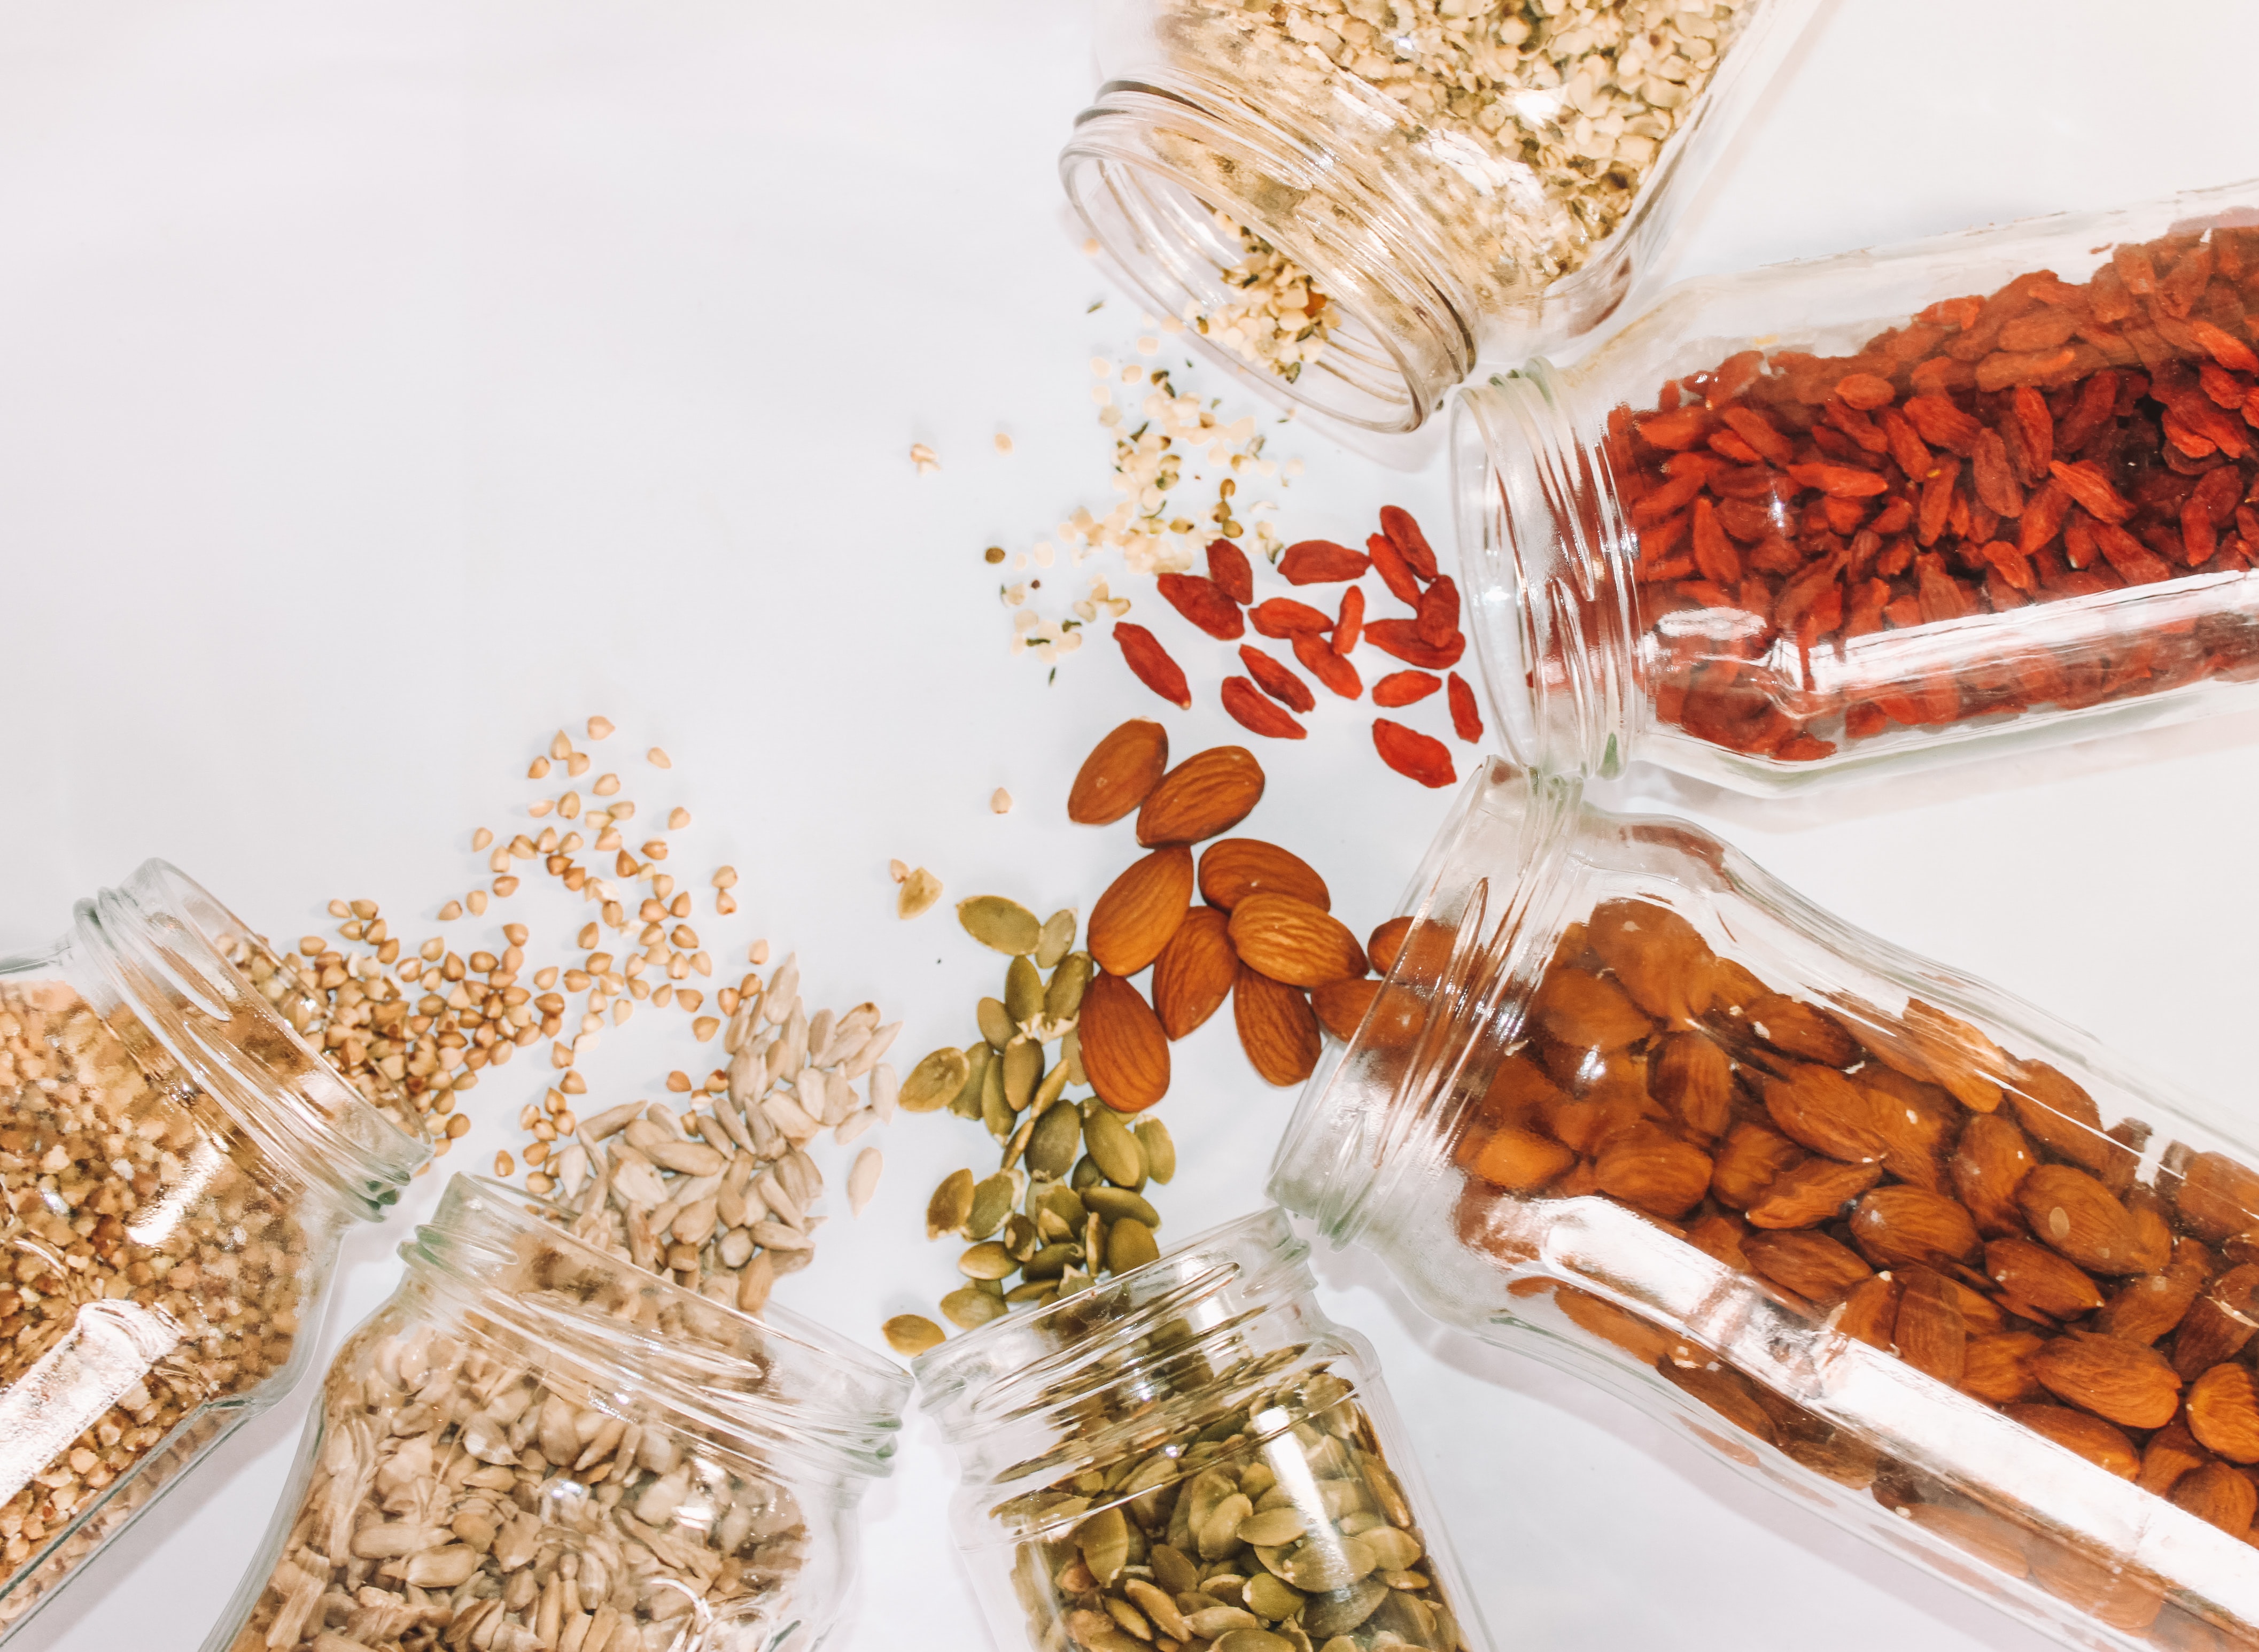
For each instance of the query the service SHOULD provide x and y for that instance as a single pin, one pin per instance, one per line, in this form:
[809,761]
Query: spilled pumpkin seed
[1005,926]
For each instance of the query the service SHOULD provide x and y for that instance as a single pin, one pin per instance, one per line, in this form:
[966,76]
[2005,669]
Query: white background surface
[383,386]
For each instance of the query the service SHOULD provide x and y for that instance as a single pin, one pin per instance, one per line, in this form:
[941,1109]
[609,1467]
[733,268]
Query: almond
[1826,1111]
[1932,1335]
[1749,1161]
[2219,1322]
[2172,1451]
[1277,1026]
[2093,1439]
[1986,1536]
[2058,1115]
[1210,792]
[2041,1278]
[1870,1314]
[1140,910]
[1660,1175]
[1915,1120]
[1901,1224]
[1194,974]
[1519,1160]
[1998,1368]
[1988,1164]
[2072,1212]
[2153,1229]
[1387,940]
[1692,1077]
[1233,868]
[1720,1236]
[1519,1091]
[1643,1340]
[2146,1309]
[1811,1264]
[1808,1195]
[2129,1385]
[1119,772]
[1957,1056]
[1124,1052]
[1342,1005]
[2110,1593]
[2219,1495]
[1292,941]
[1586,1011]
[1726,1391]
[2223,1413]
[1661,959]
[2217,1198]
[1798,1030]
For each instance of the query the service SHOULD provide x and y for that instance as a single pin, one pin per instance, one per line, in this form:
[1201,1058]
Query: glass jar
[1878,1234]
[1192,1453]
[533,1445]
[1356,201]
[176,1170]
[1878,509]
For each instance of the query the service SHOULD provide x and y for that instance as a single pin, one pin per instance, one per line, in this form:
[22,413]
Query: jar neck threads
[161,947]
[1548,559]
[1152,161]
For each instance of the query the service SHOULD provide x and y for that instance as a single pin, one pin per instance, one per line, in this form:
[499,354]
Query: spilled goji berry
[1466,722]
[1284,617]
[1329,668]
[1150,663]
[1404,533]
[1414,755]
[1320,562]
[1402,638]
[1405,687]
[1229,568]
[1349,624]
[1439,612]
[1275,680]
[1251,711]
[1388,562]
[1204,604]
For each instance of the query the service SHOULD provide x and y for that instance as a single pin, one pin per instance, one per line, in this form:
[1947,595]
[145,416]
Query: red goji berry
[1866,391]
[1405,535]
[1275,680]
[1248,707]
[2225,347]
[1320,562]
[1229,568]
[1284,617]
[1204,604]
[1388,563]
[1150,663]
[1329,668]
[1405,687]
[1412,754]
[1466,722]
[1402,638]
[1439,612]
[2084,482]
[1349,624]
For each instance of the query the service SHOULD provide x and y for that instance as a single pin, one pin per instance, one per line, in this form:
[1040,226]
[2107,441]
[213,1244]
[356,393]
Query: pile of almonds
[1265,936]
[1221,603]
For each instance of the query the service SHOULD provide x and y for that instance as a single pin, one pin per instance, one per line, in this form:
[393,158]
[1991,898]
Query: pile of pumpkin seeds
[1066,1203]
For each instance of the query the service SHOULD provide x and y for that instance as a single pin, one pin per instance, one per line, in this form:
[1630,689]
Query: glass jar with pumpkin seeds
[177,1169]
[1191,1456]
[535,1446]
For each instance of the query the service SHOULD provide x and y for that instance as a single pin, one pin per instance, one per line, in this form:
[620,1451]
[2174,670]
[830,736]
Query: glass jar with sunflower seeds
[537,1447]
[177,1168]
[1355,200]
[1192,1454]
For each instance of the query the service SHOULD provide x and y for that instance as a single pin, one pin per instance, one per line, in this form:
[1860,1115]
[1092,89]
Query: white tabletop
[383,386]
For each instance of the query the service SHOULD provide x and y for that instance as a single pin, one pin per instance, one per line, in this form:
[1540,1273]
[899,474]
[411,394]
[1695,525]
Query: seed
[1118,1203]
[990,1204]
[917,894]
[995,1023]
[1005,926]
[1129,1244]
[969,1307]
[1058,939]
[502,1164]
[1024,1069]
[1160,1152]
[1001,801]
[1023,991]
[935,1081]
[1267,1597]
[911,1334]
[1062,996]
[1111,1147]
[658,759]
[479,839]
[599,727]
[985,1261]
[863,1179]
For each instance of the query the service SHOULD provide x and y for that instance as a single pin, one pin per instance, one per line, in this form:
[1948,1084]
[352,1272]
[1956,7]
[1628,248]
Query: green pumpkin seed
[1051,1262]
[911,1334]
[1221,1620]
[1274,1527]
[1342,1610]
[995,1023]
[1063,998]
[988,1204]
[1086,1173]
[1071,1057]
[1129,1244]
[966,1102]
[1023,1070]
[1004,925]
[1392,1550]
[1050,1090]
[969,1306]
[1173,1568]
[1058,937]
[1023,991]
[1016,1143]
[1111,1146]
[934,1081]
[1116,1203]
[1104,1541]
[1066,1206]
[1160,1152]
[1052,1226]
[988,1261]
[1021,1239]
[1059,1133]
[995,1112]
[1270,1600]
[1251,1640]
[1031,1291]
[952,1202]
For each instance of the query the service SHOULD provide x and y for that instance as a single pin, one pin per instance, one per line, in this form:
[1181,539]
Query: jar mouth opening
[165,945]
[778,1384]
[1156,222]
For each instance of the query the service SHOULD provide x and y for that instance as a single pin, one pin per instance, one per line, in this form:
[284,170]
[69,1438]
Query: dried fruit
[1194,973]
[1277,1026]
[1141,909]
[1248,707]
[1229,568]
[1284,617]
[1325,663]
[1123,1048]
[1207,793]
[1413,754]
[1403,638]
[1320,562]
[1119,772]
[1290,940]
[1403,531]
[1466,722]
[1276,680]
[1405,688]
[1203,602]
[1150,663]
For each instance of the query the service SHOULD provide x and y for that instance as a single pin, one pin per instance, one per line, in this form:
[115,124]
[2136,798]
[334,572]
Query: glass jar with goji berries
[177,1168]
[1882,508]
[1352,200]
[1874,1233]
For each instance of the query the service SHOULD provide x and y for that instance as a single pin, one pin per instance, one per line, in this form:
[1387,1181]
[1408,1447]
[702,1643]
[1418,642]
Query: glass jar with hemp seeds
[536,1447]
[177,1168]
[1191,1456]
[1874,1234]
[1353,200]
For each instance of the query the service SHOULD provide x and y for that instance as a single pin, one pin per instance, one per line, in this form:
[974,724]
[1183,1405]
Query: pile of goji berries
[1221,603]
[2048,443]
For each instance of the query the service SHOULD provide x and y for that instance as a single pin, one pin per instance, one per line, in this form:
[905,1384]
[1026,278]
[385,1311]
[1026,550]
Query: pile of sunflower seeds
[1066,1203]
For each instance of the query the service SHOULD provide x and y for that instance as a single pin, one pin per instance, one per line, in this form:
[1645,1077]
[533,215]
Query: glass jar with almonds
[1352,200]
[1191,1456]
[1874,1233]
[177,1168]
[535,1446]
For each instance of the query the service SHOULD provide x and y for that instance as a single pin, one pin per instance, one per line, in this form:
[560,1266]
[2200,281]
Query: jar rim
[161,941]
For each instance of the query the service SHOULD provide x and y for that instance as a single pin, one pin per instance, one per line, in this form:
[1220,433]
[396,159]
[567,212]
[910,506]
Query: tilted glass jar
[1358,200]
[533,1445]
[1191,1452]
[1881,508]
[176,1170]
[1873,1232]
